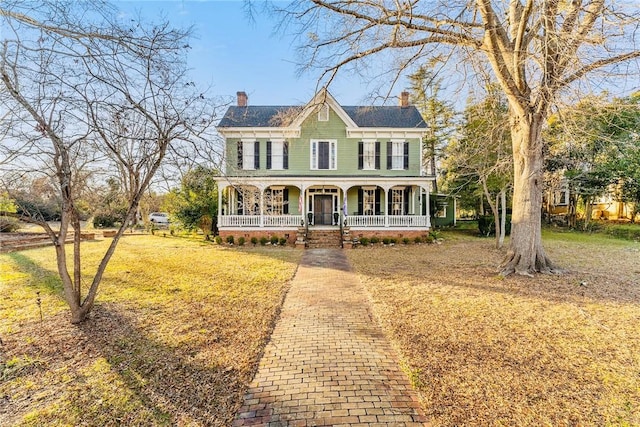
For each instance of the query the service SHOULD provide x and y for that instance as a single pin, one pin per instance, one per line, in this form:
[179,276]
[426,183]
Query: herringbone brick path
[328,362]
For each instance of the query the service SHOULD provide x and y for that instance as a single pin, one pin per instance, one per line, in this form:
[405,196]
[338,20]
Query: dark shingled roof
[376,116]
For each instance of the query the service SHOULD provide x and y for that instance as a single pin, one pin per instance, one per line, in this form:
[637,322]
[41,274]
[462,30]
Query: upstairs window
[324,155]
[277,155]
[397,155]
[248,155]
[369,155]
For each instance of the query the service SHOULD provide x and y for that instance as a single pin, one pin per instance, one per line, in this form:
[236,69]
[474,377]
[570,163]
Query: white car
[159,218]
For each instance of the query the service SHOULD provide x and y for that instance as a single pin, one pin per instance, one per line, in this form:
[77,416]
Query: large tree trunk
[526,254]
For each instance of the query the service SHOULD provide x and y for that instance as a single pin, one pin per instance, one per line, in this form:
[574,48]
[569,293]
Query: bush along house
[324,174]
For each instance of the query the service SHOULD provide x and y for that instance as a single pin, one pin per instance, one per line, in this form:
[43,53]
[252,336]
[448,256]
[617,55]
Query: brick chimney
[242,99]
[404,99]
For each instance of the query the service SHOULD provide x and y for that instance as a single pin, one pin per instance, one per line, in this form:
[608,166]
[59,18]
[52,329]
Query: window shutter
[389,195]
[268,154]
[377,155]
[378,193]
[360,155]
[285,155]
[256,153]
[360,197]
[389,153]
[406,155]
[239,154]
[240,204]
[285,201]
[407,194]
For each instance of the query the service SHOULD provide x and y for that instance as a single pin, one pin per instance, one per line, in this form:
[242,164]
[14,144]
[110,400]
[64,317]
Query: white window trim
[372,143]
[244,154]
[399,142]
[333,154]
[279,142]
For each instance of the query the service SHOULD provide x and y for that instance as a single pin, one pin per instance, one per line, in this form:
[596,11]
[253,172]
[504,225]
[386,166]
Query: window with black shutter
[360,155]
[256,155]
[285,155]
[240,157]
[406,155]
[268,154]
[285,201]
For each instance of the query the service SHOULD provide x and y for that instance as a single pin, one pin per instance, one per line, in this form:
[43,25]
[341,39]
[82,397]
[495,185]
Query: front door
[323,210]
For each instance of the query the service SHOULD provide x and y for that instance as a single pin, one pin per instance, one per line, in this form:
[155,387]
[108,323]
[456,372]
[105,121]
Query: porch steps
[324,239]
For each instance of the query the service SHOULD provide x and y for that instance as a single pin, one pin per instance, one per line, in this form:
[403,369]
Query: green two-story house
[290,170]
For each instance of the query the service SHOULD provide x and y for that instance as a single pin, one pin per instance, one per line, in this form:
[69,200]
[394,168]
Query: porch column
[386,207]
[220,191]
[302,201]
[262,190]
[428,210]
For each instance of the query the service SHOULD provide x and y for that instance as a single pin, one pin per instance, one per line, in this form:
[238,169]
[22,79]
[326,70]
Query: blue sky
[230,53]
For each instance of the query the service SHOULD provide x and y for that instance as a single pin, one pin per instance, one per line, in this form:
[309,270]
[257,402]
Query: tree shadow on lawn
[110,371]
[167,380]
[42,279]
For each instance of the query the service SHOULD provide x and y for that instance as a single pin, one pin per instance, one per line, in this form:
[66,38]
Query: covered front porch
[288,203]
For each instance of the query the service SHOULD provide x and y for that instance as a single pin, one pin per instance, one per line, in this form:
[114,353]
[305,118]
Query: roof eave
[380,132]
[259,132]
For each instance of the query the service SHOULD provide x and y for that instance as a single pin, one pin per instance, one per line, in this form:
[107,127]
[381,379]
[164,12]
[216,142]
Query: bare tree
[536,50]
[87,94]
[481,153]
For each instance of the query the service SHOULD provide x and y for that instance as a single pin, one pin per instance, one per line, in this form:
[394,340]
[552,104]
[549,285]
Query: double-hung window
[368,201]
[248,155]
[369,155]
[277,201]
[248,201]
[397,155]
[324,154]
[397,201]
[277,155]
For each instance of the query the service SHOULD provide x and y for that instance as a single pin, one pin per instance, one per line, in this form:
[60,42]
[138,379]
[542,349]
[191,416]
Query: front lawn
[175,336]
[483,350]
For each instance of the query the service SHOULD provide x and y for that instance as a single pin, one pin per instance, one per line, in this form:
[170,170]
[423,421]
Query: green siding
[300,153]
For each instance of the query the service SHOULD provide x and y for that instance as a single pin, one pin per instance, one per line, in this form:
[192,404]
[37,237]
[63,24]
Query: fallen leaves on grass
[483,350]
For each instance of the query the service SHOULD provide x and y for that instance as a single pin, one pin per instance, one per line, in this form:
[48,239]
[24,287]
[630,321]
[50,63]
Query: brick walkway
[328,362]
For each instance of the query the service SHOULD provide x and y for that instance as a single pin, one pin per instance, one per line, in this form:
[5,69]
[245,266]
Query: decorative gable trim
[321,98]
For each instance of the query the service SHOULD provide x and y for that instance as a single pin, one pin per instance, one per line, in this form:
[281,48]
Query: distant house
[558,204]
[350,171]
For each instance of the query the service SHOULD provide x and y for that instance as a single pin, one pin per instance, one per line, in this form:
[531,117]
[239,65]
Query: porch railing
[282,220]
[358,221]
[387,221]
[365,221]
[260,221]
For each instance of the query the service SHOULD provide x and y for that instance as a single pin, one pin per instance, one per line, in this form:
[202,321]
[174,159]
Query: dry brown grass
[482,350]
[175,337]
